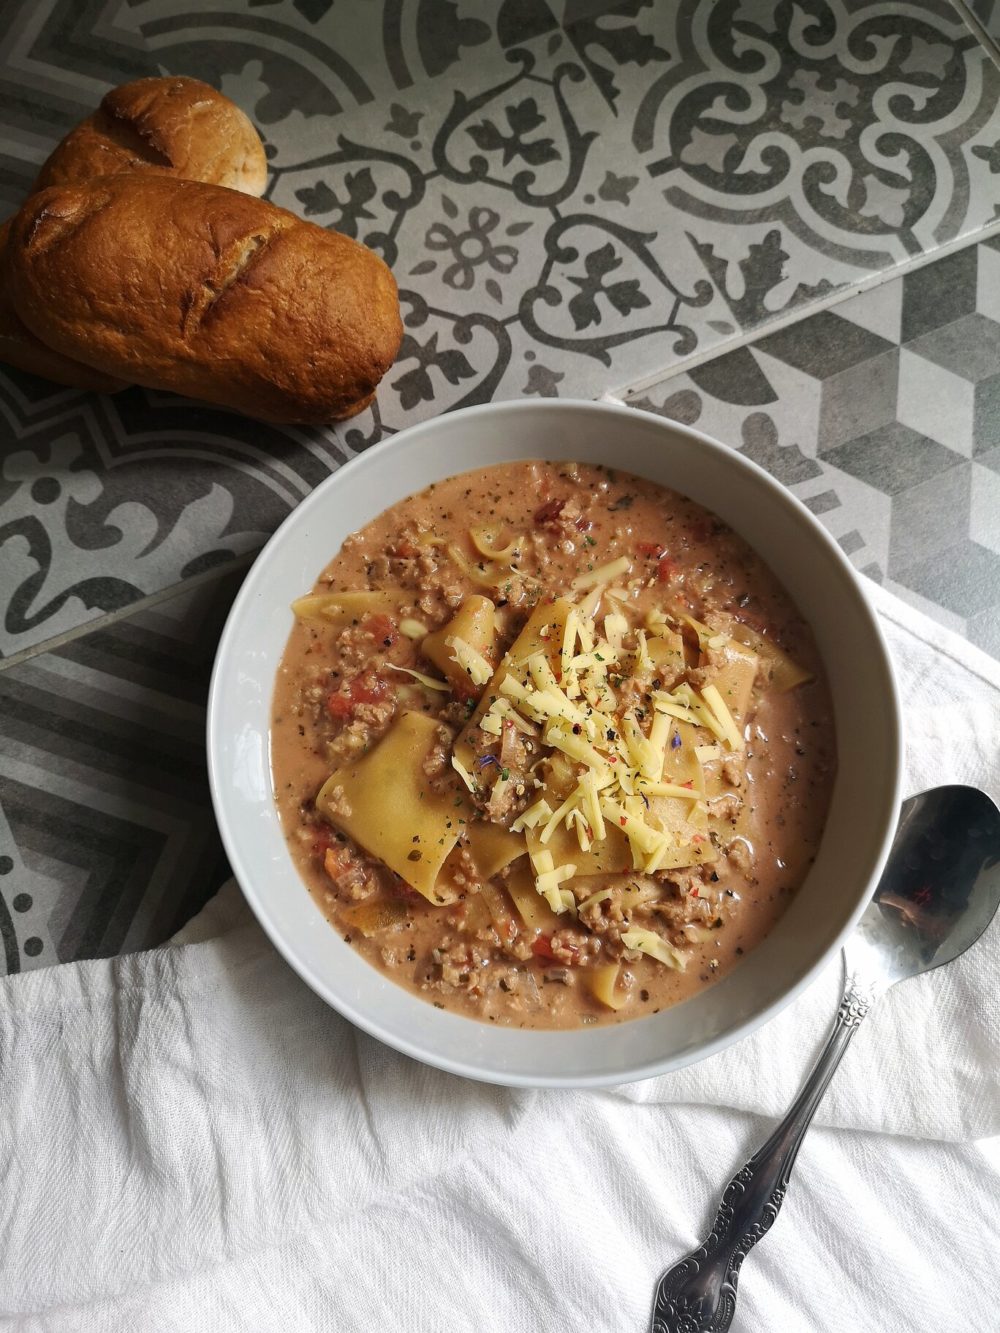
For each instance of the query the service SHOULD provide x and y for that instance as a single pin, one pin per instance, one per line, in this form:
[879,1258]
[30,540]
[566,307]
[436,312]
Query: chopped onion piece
[413,629]
[428,681]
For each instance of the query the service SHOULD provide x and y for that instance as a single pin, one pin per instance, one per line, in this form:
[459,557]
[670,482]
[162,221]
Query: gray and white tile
[107,838]
[877,413]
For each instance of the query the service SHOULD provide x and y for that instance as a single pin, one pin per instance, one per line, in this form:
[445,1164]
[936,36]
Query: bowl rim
[379,456]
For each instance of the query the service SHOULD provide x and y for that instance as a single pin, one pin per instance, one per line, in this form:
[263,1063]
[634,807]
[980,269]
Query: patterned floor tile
[987,14]
[107,837]
[57,59]
[106,500]
[883,455]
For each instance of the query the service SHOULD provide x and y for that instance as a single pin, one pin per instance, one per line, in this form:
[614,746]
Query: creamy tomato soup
[551,745]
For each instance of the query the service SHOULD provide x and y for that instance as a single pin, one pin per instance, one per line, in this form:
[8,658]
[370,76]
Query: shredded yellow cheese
[601,896]
[533,816]
[724,717]
[603,573]
[615,629]
[583,833]
[643,661]
[648,942]
[463,773]
[554,820]
[472,662]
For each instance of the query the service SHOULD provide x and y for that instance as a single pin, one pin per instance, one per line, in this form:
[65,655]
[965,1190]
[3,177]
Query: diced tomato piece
[368,691]
[404,549]
[363,689]
[339,705]
[583,524]
[323,841]
[381,627]
[542,948]
[549,511]
[666,570]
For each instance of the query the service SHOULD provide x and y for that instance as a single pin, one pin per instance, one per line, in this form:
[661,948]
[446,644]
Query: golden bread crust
[184,286]
[176,124]
[19,347]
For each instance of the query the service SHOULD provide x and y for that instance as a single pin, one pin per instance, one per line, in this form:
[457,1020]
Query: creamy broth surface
[547,527]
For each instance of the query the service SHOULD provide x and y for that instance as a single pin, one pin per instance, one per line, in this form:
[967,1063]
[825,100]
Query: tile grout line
[801,313]
[622,392]
[985,38]
[111,618]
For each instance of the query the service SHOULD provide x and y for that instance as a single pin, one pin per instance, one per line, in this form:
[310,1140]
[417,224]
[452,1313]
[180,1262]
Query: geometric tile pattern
[883,414]
[107,838]
[574,198]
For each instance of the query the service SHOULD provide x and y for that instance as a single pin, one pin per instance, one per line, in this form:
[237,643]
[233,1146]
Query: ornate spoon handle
[698,1295]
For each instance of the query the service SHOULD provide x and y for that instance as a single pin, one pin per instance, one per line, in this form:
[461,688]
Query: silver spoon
[938,893]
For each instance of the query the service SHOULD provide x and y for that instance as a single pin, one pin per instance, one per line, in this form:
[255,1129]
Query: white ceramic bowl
[812,568]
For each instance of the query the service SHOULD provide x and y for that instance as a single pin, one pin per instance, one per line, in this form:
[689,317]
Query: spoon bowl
[939,891]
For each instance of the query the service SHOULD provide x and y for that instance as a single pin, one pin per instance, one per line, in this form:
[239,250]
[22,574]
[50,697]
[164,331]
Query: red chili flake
[688,784]
[583,524]
[666,570]
[694,893]
[622,820]
[651,549]
[612,759]
[697,837]
[542,948]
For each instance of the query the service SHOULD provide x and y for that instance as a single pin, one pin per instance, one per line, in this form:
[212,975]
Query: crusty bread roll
[177,124]
[184,286]
[19,347]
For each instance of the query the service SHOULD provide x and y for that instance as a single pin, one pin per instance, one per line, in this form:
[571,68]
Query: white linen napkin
[190,1139]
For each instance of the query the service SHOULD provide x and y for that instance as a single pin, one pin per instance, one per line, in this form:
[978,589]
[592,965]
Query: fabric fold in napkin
[191,1139]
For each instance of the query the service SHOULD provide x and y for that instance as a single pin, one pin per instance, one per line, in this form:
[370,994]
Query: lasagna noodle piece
[395,813]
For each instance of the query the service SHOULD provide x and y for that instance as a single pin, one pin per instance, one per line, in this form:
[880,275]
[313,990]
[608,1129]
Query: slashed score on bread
[19,347]
[201,290]
[175,125]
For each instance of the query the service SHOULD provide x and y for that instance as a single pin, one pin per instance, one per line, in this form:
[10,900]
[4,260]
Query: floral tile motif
[877,414]
[107,837]
[106,500]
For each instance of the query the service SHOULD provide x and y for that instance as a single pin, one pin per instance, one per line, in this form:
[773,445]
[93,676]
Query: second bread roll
[167,124]
[185,286]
